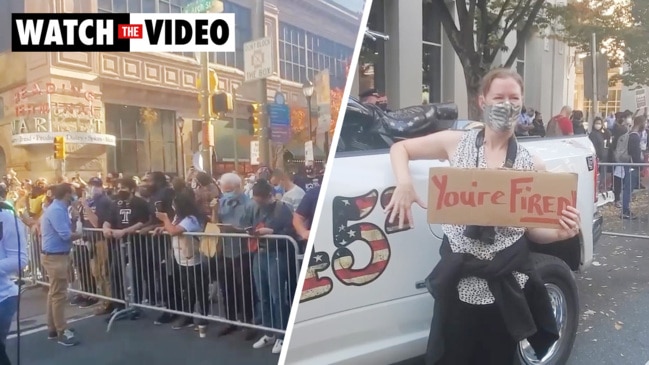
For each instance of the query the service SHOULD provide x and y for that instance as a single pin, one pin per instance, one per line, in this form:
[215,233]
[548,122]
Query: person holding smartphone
[272,261]
[188,284]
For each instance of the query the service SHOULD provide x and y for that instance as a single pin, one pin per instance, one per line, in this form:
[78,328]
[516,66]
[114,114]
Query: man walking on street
[13,258]
[57,237]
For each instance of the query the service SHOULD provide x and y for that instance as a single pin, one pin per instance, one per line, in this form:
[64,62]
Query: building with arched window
[121,109]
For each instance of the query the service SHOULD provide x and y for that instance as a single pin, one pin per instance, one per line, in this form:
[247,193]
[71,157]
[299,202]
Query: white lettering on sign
[123,32]
[28,139]
[39,125]
[184,33]
[50,31]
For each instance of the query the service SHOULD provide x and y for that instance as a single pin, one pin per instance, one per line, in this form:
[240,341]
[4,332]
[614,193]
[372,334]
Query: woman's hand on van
[400,205]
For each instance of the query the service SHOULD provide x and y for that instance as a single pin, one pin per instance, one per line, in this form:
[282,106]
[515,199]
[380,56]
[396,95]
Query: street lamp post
[180,123]
[307,90]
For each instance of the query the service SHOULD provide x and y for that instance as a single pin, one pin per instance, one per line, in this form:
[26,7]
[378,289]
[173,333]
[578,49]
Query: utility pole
[593,50]
[208,130]
[258,32]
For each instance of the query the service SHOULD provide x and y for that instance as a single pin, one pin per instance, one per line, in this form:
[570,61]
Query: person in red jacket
[560,124]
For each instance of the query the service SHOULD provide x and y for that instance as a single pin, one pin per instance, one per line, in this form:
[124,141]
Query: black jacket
[599,142]
[527,312]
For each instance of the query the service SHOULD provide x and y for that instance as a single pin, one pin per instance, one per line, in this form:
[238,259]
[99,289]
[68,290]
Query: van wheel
[564,295]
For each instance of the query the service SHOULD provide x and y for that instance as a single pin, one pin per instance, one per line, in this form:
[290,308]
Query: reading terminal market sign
[41,133]
[28,139]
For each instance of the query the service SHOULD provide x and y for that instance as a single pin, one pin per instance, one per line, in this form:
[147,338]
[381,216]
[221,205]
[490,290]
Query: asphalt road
[614,298]
[128,342]
[614,323]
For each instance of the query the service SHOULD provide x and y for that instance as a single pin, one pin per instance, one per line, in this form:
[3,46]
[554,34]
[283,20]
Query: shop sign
[40,125]
[50,88]
[57,109]
[28,139]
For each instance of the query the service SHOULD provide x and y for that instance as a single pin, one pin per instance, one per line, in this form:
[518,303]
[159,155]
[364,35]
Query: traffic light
[210,88]
[254,110]
[59,148]
[222,102]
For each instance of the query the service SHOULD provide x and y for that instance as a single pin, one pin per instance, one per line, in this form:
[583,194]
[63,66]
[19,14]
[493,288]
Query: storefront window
[146,140]
[432,55]
[610,106]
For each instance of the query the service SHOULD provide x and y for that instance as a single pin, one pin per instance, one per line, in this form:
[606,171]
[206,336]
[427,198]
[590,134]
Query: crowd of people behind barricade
[620,137]
[85,232]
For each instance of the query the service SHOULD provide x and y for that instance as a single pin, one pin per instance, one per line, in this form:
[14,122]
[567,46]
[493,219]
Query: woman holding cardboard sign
[488,296]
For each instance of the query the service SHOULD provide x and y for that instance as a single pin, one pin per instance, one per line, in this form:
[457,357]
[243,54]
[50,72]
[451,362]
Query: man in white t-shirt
[293,194]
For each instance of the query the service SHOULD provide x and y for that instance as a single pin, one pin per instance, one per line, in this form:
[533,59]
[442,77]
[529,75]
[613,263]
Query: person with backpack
[560,125]
[627,149]
[619,129]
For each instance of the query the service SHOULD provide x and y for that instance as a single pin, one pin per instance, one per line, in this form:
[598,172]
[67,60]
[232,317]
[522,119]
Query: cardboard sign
[501,198]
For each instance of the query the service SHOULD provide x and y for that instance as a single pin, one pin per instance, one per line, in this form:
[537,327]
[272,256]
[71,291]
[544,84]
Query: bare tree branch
[518,18]
[451,30]
[509,19]
[496,22]
[527,29]
[466,21]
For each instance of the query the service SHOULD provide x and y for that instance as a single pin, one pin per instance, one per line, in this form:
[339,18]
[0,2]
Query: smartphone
[158,206]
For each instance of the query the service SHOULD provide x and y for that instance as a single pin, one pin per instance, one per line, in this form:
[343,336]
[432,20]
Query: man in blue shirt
[304,213]
[13,258]
[57,237]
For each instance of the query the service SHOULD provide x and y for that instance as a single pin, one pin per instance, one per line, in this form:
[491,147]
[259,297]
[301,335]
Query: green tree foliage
[636,50]
[576,22]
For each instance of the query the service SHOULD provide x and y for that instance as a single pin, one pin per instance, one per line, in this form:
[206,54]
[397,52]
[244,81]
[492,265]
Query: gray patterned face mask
[501,117]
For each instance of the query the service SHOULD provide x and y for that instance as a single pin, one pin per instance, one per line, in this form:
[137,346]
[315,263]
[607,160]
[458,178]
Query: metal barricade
[190,280]
[623,199]
[235,279]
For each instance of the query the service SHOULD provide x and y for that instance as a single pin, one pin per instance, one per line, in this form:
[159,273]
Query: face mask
[229,195]
[501,117]
[598,126]
[530,114]
[123,195]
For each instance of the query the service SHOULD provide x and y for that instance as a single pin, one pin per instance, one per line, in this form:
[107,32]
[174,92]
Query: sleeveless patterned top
[474,290]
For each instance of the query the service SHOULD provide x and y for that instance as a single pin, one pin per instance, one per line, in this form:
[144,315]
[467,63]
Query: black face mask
[124,195]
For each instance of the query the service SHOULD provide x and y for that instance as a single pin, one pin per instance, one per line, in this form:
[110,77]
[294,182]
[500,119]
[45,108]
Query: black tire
[560,280]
